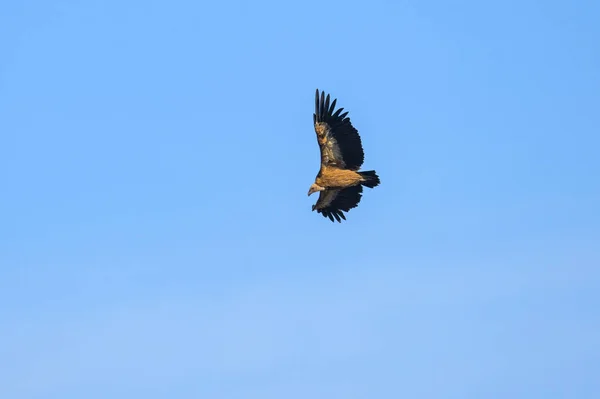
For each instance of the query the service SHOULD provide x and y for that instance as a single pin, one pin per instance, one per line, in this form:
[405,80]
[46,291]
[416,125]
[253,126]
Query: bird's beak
[310,192]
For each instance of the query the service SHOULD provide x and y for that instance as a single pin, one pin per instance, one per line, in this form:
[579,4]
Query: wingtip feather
[321,113]
[317,105]
[332,107]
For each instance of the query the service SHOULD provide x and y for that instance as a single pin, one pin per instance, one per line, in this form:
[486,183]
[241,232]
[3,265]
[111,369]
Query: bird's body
[332,177]
[339,181]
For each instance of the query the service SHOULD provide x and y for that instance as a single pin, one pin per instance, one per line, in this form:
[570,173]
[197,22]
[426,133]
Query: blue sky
[156,239]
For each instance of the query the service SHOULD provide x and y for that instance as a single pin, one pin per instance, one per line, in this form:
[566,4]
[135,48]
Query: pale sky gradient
[156,240]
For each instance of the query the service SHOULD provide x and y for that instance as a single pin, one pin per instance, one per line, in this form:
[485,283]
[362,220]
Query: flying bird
[339,181]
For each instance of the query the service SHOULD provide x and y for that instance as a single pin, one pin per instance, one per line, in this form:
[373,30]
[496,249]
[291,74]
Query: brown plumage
[339,181]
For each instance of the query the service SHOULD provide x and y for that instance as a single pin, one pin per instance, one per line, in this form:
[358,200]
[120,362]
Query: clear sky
[156,240]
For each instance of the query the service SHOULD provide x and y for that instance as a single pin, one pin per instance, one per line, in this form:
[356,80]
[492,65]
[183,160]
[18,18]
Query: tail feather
[371,178]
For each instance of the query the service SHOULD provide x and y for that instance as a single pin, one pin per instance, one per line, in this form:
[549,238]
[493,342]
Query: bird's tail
[371,178]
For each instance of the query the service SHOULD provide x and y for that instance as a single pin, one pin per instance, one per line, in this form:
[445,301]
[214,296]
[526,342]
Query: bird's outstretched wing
[338,140]
[332,203]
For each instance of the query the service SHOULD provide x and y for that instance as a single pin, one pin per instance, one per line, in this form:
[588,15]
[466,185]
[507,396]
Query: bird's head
[314,188]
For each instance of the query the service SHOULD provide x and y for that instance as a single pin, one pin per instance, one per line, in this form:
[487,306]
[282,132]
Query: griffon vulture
[338,182]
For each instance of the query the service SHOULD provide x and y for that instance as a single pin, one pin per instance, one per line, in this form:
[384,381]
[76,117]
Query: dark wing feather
[333,203]
[339,141]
